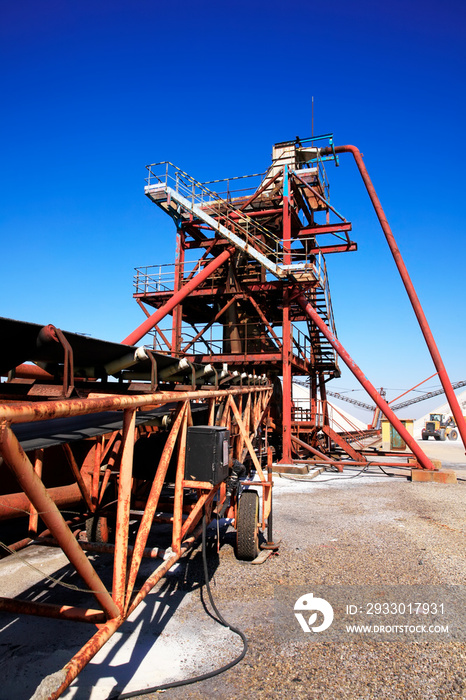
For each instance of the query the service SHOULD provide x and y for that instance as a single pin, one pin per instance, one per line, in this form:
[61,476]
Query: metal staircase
[183,197]
[325,358]
[188,201]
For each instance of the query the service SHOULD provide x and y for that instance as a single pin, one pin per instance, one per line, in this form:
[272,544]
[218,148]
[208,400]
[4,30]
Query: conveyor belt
[57,431]
[22,342]
[42,434]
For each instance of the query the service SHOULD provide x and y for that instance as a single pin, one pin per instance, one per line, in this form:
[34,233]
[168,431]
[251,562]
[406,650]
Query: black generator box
[207,453]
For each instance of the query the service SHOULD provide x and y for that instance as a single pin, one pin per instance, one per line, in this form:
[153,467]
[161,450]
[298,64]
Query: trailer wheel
[453,435]
[98,529]
[247,534]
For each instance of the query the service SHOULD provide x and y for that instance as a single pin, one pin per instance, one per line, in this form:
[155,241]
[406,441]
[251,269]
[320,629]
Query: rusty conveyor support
[185,512]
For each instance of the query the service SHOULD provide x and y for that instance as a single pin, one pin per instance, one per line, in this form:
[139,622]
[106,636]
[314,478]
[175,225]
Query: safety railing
[228,188]
[318,160]
[324,285]
[302,412]
[152,279]
[198,195]
[241,339]
[232,339]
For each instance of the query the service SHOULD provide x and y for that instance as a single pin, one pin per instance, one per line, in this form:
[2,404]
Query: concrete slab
[161,642]
[444,476]
[290,468]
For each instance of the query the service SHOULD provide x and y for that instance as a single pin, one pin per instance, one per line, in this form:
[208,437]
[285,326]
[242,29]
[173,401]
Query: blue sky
[92,91]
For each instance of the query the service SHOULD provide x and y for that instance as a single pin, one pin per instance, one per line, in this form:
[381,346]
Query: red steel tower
[248,249]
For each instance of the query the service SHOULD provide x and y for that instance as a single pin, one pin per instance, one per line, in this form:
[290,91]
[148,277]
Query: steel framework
[257,290]
[103,426]
[115,453]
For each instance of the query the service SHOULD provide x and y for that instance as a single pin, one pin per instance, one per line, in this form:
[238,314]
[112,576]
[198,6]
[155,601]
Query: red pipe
[416,304]
[177,298]
[371,390]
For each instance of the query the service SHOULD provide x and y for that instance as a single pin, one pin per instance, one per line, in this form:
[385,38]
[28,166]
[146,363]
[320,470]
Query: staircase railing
[169,175]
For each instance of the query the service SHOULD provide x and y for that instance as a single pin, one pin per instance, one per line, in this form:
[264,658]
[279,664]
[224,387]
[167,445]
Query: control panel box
[207,453]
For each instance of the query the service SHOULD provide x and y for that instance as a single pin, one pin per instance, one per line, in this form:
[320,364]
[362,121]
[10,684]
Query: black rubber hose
[220,619]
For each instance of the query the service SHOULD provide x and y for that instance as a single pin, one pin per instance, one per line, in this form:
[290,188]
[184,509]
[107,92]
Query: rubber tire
[94,530]
[247,533]
[442,435]
[425,437]
[95,527]
[453,435]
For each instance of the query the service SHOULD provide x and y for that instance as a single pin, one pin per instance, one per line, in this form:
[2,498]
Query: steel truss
[258,291]
[162,497]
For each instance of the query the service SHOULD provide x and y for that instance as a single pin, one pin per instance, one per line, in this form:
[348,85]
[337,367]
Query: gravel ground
[360,532]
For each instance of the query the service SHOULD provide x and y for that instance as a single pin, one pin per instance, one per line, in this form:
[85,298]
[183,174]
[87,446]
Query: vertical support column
[211,420]
[287,380]
[96,471]
[179,276]
[313,398]
[124,499]
[178,499]
[286,218]
[287,349]
[33,514]
[323,396]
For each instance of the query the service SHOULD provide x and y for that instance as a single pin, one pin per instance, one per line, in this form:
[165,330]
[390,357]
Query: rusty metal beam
[321,229]
[77,475]
[350,247]
[59,681]
[34,516]
[177,298]
[152,502]
[27,412]
[17,505]
[246,438]
[345,446]
[59,612]
[123,508]
[360,376]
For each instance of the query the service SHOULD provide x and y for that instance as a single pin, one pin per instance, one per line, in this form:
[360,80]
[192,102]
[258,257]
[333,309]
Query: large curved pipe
[416,304]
